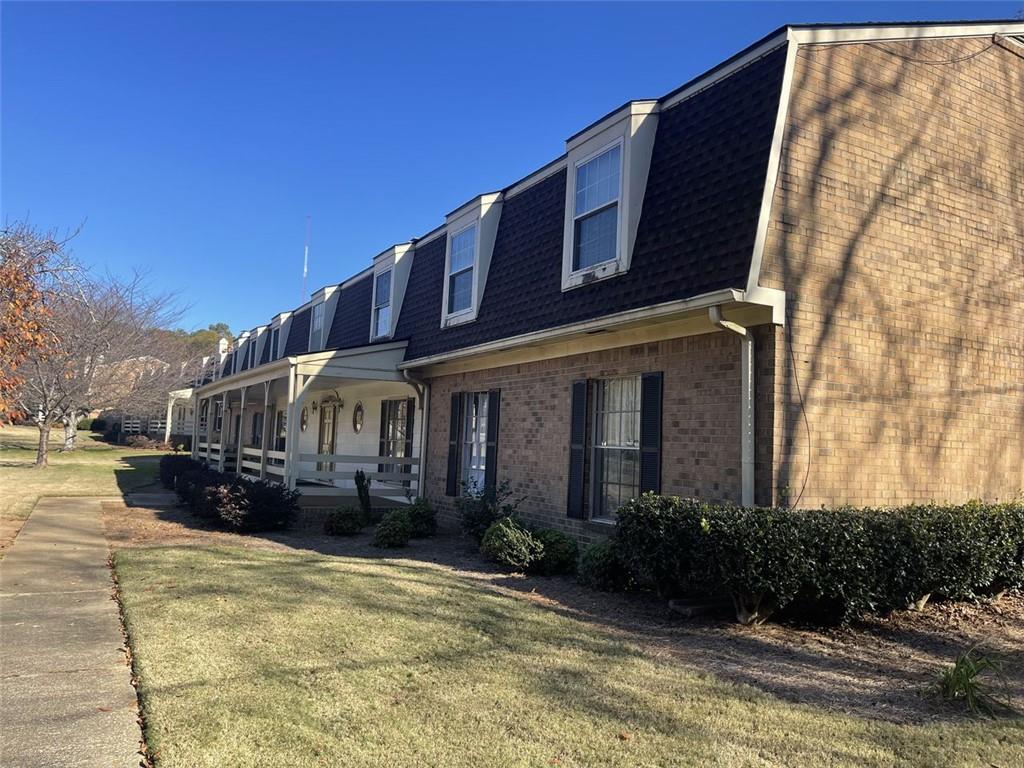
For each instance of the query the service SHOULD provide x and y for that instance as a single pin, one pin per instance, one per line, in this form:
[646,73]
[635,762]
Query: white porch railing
[331,473]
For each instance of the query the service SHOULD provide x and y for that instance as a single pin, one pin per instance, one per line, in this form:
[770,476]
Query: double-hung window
[316,331]
[396,425]
[462,259]
[382,305]
[596,209]
[616,444]
[218,416]
[252,352]
[275,336]
[256,435]
[474,440]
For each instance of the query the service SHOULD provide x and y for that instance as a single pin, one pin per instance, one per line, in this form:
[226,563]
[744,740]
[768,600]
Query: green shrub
[85,425]
[191,487]
[602,567]
[479,509]
[347,521]
[173,465]
[394,530]
[559,552]
[259,505]
[507,542]
[98,425]
[422,517]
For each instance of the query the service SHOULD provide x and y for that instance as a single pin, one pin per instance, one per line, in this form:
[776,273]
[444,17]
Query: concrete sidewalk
[65,690]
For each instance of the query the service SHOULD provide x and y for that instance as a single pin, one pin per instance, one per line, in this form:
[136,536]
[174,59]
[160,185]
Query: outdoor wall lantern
[303,420]
[357,417]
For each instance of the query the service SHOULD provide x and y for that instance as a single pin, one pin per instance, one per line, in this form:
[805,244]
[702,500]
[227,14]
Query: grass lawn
[260,658]
[95,469]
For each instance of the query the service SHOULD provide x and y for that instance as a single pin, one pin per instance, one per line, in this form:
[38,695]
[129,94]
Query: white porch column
[225,429]
[267,426]
[241,432]
[292,440]
[167,421]
[194,402]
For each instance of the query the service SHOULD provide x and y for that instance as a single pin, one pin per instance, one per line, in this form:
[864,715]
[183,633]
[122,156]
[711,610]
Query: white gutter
[746,401]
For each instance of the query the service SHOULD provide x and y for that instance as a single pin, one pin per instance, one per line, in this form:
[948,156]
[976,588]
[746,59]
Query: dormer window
[460,270]
[316,328]
[275,337]
[382,305]
[252,353]
[607,166]
[596,221]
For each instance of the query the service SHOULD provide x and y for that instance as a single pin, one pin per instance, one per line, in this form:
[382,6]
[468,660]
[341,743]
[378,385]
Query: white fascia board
[769,297]
[483,212]
[871,34]
[357,277]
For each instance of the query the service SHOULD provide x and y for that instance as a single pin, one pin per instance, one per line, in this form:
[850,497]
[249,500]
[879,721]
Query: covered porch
[312,421]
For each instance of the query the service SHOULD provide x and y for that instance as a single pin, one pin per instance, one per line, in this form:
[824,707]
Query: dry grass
[260,658]
[95,469]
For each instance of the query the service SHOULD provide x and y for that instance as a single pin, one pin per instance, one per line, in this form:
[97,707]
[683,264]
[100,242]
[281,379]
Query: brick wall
[701,422]
[898,235]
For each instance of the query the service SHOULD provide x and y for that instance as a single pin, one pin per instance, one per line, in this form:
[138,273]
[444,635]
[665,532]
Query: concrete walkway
[65,690]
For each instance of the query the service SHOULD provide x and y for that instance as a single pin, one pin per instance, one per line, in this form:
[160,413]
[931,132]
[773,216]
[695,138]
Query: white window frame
[322,306]
[467,313]
[375,308]
[612,262]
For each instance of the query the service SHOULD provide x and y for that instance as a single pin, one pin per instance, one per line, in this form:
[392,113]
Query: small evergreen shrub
[213,491]
[394,530]
[347,521]
[264,506]
[479,509]
[363,492]
[507,542]
[601,567]
[173,465]
[558,554]
[422,517]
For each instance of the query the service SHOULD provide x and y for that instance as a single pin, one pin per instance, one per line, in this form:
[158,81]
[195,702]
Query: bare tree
[107,348]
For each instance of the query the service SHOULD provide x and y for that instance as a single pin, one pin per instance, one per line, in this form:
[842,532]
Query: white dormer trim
[327,298]
[483,213]
[633,129]
[398,261]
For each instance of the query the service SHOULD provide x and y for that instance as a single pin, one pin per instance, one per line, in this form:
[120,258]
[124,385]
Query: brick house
[797,279]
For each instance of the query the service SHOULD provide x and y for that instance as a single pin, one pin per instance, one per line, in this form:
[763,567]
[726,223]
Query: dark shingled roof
[245,357]
[351,324]
[696,231]
[298,334]
[265,354]
[225,369]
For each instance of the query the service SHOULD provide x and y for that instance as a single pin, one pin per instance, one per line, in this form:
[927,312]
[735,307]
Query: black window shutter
[650,432]
[577,448]
[493,423]
[452,484]
[383,445]
[410,423]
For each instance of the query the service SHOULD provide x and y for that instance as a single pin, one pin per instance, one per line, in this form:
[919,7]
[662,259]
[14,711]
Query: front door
[326,444]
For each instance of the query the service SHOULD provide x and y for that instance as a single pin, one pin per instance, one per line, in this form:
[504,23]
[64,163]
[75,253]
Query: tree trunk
[43,451]
[70,433]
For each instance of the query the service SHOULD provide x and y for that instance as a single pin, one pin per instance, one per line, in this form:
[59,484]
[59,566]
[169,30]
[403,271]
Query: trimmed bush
[173,465]
[602,567]
[394,530]
[559,552]
[422,517]
[264,506]
[507,542]
[480,509]
[347,521]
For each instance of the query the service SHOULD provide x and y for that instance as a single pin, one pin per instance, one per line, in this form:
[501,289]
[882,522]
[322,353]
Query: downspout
[422,390]
[746,401]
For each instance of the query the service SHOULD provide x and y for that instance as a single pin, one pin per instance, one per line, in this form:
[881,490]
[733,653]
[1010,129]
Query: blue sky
[193,139]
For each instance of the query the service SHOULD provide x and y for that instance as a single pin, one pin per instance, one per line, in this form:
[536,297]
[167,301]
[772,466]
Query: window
[474,440]
[596,209]
[460,270]
[316,330]
[256,435]
[616,444]
[382,305]
[396,426]
[280,430]
[203,410]
[275,336]
[251,353]
[218,416]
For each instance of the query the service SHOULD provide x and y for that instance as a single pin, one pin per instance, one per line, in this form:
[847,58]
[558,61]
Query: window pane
[463,250]
[595,238]
[460,291]
[383,290]
[597,181]
[382,325]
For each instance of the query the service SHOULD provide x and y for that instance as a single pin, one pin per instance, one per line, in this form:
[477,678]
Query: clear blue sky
[193,139]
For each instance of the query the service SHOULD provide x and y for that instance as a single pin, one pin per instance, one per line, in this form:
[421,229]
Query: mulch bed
[882,668]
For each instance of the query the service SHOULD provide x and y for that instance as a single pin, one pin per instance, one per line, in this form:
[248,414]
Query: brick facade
[898,235]
[701,422]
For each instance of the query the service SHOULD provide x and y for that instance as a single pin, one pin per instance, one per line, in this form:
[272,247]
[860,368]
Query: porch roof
[373,362]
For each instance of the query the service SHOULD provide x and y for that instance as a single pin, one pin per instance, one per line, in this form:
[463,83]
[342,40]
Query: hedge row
[824,566]
[245,506]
